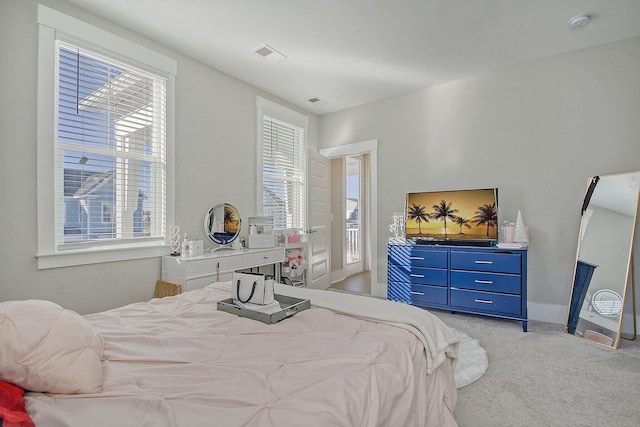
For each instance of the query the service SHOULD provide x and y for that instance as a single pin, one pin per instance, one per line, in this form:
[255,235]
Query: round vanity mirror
[222,224]
[607,302]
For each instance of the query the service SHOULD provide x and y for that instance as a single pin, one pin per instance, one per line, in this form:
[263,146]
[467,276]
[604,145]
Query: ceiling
[351,52]
[618,193]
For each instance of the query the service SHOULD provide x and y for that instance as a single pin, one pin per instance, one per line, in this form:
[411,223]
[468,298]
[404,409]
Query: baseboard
[552,313]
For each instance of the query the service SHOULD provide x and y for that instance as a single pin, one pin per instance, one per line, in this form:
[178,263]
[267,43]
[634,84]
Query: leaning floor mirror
[604,264]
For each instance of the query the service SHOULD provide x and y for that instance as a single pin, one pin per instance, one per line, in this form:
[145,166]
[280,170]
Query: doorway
[354,224]
[337,154]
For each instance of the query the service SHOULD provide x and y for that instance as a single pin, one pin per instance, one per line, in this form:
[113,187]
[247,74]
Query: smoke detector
[579,21]
[269,53]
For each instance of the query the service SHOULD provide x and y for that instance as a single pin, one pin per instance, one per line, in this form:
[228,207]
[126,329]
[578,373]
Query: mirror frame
[222,237]
[583,271]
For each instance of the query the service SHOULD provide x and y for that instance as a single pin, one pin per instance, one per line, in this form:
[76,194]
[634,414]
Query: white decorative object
[196,247]
[520,233]
[174,238]
[185,245]
[397,224]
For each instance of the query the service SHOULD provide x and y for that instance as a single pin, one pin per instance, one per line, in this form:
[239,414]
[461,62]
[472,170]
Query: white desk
[200,271]
[600,320]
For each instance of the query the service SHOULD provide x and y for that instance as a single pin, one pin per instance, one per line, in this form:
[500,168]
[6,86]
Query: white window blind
[110,151]
[283,172]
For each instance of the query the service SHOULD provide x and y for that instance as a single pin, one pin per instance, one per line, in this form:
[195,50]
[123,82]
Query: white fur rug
[472,360]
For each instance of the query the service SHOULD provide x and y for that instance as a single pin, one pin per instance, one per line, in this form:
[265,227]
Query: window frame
[55,26]
[269,108]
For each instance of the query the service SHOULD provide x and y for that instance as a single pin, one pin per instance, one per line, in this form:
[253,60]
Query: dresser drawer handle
[417,293]
[484,282]
[416,275]
[483,262]
[417,258]
[484,301]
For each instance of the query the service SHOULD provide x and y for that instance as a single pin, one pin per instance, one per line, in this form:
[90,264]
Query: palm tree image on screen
[462,215]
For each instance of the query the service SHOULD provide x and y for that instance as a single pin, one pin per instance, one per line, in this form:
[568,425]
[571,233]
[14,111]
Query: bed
[177,361]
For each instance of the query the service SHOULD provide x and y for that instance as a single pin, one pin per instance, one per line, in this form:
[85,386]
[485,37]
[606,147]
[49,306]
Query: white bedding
[177,361]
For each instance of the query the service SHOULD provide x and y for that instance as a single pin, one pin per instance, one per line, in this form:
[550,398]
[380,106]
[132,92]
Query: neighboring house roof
[277,200]
[91,184]
[352,209]
[80,184]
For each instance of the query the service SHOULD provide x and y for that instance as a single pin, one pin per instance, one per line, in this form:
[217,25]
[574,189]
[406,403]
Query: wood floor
[359,283]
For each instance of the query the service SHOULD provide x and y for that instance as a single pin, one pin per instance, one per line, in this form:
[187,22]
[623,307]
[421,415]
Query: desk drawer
[492,282]
[486,261]
[207,266]
[417,256]
[417,294]
[264,257]
[486,302]
[201,282]
[423,276]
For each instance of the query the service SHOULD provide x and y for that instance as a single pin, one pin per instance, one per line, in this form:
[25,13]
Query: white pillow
[46,348]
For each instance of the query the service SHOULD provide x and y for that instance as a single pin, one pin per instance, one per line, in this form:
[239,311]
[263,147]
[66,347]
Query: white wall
[536,131]
[215,162]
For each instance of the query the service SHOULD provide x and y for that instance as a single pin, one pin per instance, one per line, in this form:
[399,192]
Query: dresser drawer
[418,256]
[492,282]
[486,302]
[423,276]
[417,294]
[486,261]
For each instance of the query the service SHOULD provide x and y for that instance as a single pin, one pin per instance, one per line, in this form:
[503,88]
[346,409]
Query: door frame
[369,147]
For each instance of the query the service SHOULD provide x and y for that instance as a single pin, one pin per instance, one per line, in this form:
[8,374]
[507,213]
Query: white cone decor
[520,233]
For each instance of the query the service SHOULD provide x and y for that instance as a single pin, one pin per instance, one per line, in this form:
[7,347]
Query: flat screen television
[455,217]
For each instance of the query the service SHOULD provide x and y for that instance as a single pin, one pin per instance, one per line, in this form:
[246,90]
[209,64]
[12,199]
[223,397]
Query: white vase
[520,232]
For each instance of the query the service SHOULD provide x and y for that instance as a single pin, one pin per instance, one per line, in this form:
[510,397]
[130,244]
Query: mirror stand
[604,259]
[227,247]
[633,301]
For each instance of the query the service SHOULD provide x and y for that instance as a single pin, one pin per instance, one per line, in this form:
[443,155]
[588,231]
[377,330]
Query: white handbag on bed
[253,288]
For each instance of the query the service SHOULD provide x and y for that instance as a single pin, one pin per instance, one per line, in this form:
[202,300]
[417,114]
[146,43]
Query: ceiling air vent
[269,53]
[317,101]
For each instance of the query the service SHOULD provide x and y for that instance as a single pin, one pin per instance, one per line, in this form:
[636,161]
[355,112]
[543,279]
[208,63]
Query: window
[282,164]
[106,214]
[104,148]
[110,150]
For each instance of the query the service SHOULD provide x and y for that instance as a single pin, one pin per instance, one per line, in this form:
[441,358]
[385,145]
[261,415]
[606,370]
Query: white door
[318,250]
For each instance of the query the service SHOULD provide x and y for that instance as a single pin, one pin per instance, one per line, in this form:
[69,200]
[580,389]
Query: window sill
[96,256]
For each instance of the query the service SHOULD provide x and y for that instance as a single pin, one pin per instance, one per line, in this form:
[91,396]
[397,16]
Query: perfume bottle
[185,246]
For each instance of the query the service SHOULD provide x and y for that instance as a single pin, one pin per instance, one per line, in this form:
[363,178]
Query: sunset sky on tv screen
[462,214]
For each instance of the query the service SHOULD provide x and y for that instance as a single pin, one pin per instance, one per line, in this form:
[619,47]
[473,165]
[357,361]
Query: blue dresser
[479,280]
